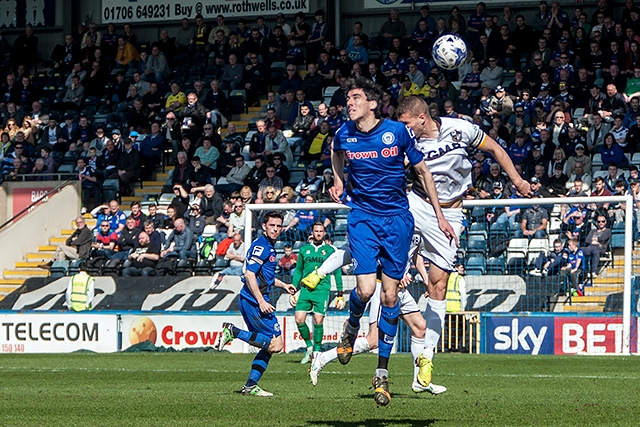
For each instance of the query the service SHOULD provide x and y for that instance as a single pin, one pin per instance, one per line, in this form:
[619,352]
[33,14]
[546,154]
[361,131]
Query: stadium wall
[55,214]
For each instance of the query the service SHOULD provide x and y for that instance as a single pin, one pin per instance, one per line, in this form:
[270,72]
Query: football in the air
[449,52]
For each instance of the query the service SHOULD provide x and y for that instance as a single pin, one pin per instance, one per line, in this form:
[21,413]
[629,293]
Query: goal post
[511,289]
[628,241]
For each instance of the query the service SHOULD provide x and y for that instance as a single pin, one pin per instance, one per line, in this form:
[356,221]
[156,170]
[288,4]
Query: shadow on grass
[375,422]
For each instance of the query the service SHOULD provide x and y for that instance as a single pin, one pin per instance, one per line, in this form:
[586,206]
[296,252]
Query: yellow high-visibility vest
[79,288]
[453,293]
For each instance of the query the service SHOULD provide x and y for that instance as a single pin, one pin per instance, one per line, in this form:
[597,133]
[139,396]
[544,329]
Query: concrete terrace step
[28,264]
[40,257]
[11,282]
[588,298]
[59,240]
[584,308]
[47,248]
[153,183]
[596,290]
[24,274]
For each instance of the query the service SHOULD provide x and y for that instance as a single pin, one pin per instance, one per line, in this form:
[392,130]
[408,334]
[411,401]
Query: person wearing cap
[500,104]
[322,193]
[496,214]
[311,180]
[542,18]
[581,157]
[558,182]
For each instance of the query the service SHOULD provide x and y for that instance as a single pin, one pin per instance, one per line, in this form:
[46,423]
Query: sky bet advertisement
[556,335]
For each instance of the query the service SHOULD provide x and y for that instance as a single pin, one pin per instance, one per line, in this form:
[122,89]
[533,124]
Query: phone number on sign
[12,348]
[128,12]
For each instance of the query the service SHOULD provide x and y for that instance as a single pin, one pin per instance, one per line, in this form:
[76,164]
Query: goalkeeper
[314,300]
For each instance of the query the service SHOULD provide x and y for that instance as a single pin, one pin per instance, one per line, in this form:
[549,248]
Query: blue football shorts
[377,238]
[256,321]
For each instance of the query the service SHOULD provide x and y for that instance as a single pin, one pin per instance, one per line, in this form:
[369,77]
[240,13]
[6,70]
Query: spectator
[391,28]
[105,242]
[270,181]
[181,242]
[127,240]
[89,183]
[550,264]
[597,243]
[127,55]
[257,173]
[492,75]
[77,246]
[152,147]
[534,223]
[143,259]
[316,143]
[196,222]
[128,166]
[580,174]
[156,68]
[235,255]
[276,143]
[236,176]
[575,227]
[156,217]
[232,76]
[574,258]
[237,218]
[579,157]
[287,262]
[176,99]
[612,153]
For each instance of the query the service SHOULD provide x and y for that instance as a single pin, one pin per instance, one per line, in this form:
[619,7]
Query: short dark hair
[372,91]
[272,214]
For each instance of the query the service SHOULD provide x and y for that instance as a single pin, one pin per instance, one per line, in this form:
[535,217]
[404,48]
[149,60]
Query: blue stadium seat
[496,266]
[477,245]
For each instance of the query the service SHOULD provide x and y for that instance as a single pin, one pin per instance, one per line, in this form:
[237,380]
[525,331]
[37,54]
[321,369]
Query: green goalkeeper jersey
[311,257]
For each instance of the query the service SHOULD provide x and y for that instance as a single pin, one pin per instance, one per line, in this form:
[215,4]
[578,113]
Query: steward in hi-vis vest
[80,291]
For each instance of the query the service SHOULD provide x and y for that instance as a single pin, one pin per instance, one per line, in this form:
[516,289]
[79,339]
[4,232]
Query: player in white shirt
[444,142]
[409,313]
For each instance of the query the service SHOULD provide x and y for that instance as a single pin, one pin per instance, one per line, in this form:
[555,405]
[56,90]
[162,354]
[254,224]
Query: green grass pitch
[202,390]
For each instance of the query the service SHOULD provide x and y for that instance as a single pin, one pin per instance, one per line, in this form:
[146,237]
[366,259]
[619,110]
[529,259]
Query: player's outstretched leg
[320,360]
[351,327]
[226,336]
[229,332]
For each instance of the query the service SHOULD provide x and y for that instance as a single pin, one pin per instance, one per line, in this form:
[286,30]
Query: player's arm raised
[337,164]
[424,174]
[252,283]
[492,147]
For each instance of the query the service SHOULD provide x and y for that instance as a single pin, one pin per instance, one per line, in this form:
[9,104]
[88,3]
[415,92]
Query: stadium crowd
[560,92]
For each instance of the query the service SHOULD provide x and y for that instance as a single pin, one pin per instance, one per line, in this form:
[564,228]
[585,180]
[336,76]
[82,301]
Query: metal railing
[44,196]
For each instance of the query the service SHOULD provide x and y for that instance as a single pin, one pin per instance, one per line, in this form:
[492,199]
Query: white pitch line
[324,372]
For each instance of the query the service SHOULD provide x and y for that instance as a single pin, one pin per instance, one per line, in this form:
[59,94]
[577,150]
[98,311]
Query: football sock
[360,346]
[335,261]
[356,309]
[258,367]
[417,344]
[434,315]
[382,372]
[303,328]
[318,333]
[330,355]
[255,339]
[387,327]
